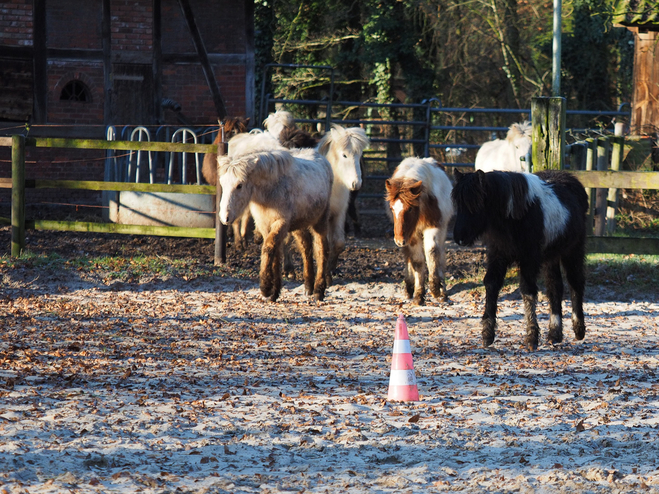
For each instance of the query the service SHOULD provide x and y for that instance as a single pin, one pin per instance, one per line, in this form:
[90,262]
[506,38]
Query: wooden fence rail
[18,183]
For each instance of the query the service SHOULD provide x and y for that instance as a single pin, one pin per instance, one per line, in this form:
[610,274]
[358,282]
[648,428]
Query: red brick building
[70,68]
[118,62]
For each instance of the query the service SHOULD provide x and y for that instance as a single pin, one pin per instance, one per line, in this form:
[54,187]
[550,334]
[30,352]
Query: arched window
[75,91]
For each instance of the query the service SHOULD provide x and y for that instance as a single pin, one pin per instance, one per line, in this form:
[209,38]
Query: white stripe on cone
[402,378]
[402,346]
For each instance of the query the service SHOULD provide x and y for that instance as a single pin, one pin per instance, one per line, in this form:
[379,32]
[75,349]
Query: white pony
[510,154]
[285,192]
[343,148]
[419,197]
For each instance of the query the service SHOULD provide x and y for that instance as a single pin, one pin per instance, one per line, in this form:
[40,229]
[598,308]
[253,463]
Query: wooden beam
[106,25]
[40,62]
[203,58]
[80,226]
[157,61]
[618,180]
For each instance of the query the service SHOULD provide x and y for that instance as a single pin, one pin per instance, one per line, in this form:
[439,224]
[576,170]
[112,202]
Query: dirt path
[199,386]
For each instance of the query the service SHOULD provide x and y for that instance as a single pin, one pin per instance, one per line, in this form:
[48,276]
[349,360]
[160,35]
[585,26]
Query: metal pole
[17,195]
[556,50]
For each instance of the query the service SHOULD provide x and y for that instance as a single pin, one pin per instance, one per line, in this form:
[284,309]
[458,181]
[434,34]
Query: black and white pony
[537,221]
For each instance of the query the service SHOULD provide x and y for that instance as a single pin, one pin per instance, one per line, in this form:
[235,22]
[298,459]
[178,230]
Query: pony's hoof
[531,343]
[488,332]
[419,300]
[579,330]
[319,296]
[555,337]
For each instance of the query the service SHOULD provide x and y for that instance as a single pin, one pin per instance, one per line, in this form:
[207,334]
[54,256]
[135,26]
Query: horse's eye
[345,155]
[239,186]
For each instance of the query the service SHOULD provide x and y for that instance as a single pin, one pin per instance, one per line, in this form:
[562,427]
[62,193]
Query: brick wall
[16,23]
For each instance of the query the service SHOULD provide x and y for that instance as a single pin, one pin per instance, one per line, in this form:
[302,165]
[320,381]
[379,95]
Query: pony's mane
[255,141]
[278,121]
[505,193]
[260,167]
[522,129]
[353,139]
[293,137]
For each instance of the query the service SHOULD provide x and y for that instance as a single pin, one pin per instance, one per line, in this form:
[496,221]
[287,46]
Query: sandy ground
[201,386]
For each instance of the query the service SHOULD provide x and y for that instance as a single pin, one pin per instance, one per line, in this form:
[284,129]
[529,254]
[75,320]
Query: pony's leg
[271,254]
[417,265]
[409,273]
[433,246]
[289,266]
[321,255]
[493,281]
[576,277]
[246,222]
[305,246]
[528,275]
[353,214]
[337,243]
[554,282]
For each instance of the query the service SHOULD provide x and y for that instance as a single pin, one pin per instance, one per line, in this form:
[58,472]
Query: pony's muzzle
[356,185]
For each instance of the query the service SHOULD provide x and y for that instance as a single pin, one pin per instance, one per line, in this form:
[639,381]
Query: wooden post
[17,195]
[603,146]
[220,229]
[548,119]
[616,159]
[591,158]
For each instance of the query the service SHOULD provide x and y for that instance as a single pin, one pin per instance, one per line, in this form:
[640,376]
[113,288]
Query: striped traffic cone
[402,382]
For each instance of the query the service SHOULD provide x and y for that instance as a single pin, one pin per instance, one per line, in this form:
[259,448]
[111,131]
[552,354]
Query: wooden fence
[18,183]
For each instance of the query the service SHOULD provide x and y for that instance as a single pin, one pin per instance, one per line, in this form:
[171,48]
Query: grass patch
[639,272]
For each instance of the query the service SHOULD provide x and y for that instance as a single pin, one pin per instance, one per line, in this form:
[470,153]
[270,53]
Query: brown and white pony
[419,196]
[229,127]
[285,191]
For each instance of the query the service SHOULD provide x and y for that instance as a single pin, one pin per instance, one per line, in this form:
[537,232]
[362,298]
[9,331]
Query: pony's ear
[387,184]
[457,174]
[416,188]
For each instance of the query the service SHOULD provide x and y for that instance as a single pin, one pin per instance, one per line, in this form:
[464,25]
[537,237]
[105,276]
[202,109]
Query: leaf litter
[200,386]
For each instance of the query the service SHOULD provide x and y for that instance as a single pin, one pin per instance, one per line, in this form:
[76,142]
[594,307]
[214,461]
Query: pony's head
[469,199]
[519,139]
[234,125]
[343,148]
[249,174]
[276,122]
[404,197]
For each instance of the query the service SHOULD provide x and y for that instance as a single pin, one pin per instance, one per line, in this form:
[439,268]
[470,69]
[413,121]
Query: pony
[537,221]
[510,154]
[231,127]
[419,197]
[343,147]
[285,191]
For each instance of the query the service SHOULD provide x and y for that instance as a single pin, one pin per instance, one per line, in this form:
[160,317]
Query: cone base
[403,393]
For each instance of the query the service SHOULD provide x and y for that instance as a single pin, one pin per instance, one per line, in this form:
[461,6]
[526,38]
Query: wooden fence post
[548,120]
[591,158]
[616,159]
[220,229]
[603,147]
[17,195]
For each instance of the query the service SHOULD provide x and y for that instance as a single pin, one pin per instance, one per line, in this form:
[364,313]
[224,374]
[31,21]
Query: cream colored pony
[285,191]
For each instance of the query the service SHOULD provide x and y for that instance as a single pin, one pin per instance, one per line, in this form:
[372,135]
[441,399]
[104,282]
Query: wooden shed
[93,63]
[642,18]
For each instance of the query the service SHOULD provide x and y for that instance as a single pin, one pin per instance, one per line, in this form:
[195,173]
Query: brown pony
[231,126]
[419,196]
